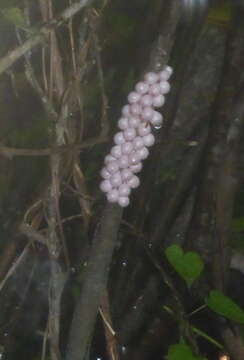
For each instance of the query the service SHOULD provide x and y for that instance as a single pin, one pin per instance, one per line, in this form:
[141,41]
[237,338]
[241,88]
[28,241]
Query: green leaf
[238,224]
[225,306]
[221,14]
[15,16]
[181,352]
[188,265]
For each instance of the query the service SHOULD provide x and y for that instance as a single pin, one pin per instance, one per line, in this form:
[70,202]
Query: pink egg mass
[131,143]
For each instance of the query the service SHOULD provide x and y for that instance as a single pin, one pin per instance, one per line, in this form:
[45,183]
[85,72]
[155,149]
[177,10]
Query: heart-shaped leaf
[181,352]
[225,306]
[188,265]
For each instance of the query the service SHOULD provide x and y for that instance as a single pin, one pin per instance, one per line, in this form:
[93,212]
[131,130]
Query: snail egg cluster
[131,143]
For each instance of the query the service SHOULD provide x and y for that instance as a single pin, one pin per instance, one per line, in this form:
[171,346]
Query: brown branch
[41,35]
[94,284]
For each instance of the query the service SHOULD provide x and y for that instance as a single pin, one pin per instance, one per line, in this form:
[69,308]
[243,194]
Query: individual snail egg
[154,89]
[106,186]
[116,151]
[134,182]
[146,100]
[119,138]
[123,201]
[129,134]
[105,174]
[134,122]
[135,109]
[151,78]
[123,162]
[148,140]
[158,100]
[157,119]
[126,148]
[166,73]
[123,123]
[144,129]
[133,97]
[147,113]
[126,110]
[164,87]
[138,142]
[136,168]
[109,158]
[126,174]
[112,167]
[169,69]
[116,179]
[113,195]
[143,153]
[124,190]
[134,158]
[142,87]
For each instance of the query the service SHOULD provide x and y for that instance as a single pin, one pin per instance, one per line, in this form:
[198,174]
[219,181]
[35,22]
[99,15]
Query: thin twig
[10,152]
[97,51]
[41,35]
[44,343]
[15,265]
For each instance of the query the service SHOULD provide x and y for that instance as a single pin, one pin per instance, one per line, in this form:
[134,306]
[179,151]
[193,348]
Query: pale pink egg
[112,196]
[116,151]
[134,122]
[147,113]
[157,119]
[144,129]
[135,109]
[164,87]
[148,140]
[169,69]
[134,182]
[133,97]
[123,162]
[126,174]
[142,87]
[106,186]
[112,167]
[136,168]
[151,78]
[134,158]
[124,190]
[126,110]
[105,173]
[109,158]
[166,73]
[129,134]
[154,89]
[143,153]
[123,201]
[138,142]
[146,100]
[126,148]
[123,123]
[119,138]
[116,179]
[158,101]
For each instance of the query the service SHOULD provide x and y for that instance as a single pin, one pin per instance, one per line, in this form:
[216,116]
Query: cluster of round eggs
[134,137]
